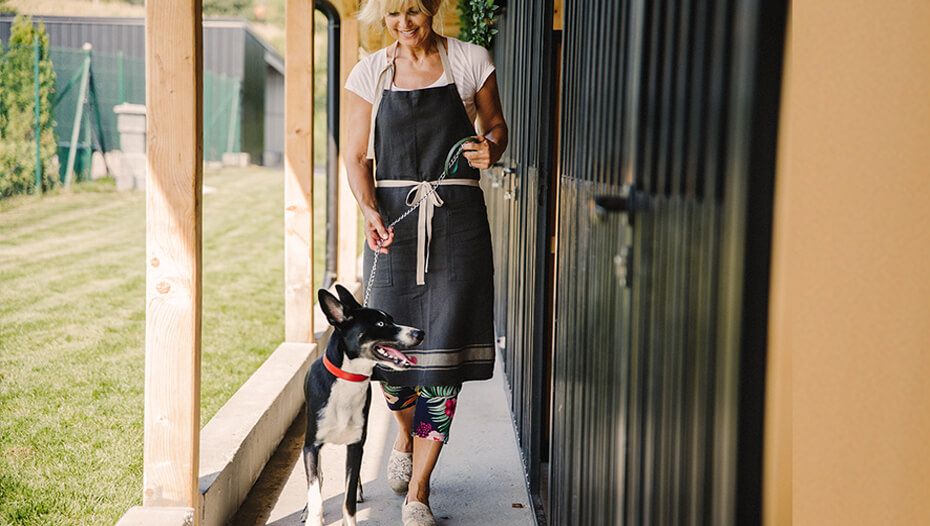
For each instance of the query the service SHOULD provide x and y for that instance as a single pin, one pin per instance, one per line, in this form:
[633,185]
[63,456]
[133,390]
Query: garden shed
[243,81]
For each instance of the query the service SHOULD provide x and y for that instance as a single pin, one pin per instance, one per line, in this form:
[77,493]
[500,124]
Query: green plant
[476,20]
[17,110]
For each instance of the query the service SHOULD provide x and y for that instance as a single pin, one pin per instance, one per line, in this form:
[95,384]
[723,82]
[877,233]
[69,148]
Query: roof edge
[208,22]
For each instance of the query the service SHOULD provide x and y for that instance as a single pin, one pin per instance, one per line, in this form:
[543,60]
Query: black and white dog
[338,394]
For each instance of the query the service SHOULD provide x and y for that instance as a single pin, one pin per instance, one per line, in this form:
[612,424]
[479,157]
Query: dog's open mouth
[395,356]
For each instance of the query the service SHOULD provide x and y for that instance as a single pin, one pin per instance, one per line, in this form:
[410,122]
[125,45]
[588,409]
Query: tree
[17,110]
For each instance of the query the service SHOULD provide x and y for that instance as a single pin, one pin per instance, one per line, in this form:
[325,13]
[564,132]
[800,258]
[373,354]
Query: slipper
[400,467]
[417,514]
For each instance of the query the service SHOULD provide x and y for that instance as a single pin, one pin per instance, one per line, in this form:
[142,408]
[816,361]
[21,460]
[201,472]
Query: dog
[338,394]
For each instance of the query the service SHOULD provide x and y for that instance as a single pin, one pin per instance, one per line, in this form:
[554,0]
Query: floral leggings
[435,407]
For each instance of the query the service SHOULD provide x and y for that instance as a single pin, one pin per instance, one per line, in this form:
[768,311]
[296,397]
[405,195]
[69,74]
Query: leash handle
[451,159]
[453,156]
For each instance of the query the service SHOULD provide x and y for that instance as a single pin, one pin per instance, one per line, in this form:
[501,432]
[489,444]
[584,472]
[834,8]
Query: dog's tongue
[397,355]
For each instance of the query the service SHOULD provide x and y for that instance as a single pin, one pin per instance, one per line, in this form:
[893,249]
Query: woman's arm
[491,145]
[359,172]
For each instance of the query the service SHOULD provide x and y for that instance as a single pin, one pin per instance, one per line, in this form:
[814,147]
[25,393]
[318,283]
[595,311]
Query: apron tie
[424,224]
[425,214]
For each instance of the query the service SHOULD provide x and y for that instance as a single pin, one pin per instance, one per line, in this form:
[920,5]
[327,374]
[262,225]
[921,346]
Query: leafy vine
[476,20]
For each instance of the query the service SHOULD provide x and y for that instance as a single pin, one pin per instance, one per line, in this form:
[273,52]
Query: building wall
[253,98]
[274,119]
[222,38]
[107,35]
[850,317]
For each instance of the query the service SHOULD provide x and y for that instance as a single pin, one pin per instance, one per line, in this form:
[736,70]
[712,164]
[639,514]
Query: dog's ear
[347,298]
[334,310]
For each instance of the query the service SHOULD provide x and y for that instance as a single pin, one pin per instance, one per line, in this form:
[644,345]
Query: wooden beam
[298,172]
[557,11]
[174,185]
[347,252]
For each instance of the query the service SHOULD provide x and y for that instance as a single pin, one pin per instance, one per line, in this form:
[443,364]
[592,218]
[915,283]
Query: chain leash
[451,160]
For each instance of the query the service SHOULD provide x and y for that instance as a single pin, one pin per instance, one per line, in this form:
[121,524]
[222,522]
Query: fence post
[208,117]
[298,172]
[37,54]
[174,227]
[348,210]
[122,93]
[233,119]
[78,116]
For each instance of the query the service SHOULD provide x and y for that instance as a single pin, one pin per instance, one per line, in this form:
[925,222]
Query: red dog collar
[339,373]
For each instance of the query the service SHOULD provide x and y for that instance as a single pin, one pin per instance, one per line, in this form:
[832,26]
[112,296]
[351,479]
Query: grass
[72,318]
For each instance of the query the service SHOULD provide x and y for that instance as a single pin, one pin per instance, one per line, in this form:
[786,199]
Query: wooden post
[348,209]
[174,182]
[298,172]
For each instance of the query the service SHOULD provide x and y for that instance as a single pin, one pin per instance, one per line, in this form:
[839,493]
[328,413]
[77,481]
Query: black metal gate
[518,204]
[667,115]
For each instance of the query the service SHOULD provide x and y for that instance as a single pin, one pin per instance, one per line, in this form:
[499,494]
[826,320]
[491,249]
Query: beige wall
[851,273]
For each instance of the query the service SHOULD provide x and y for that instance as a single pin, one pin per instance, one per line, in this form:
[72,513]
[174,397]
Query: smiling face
[409,25]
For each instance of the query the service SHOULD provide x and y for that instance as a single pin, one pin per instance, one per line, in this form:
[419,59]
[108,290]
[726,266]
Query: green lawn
[72,319]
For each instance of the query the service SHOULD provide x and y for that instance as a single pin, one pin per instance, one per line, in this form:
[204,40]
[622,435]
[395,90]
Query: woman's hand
[375,231]
[480,152]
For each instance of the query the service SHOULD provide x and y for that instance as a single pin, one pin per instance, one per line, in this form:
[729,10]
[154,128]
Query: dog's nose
[418,335]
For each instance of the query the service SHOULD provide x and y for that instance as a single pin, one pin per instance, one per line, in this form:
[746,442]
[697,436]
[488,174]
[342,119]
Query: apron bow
[425,213]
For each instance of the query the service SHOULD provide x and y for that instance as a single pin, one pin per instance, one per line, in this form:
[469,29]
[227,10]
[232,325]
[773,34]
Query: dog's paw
[312,520]
[313,513]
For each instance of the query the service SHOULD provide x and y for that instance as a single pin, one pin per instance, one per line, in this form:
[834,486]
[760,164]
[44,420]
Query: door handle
[627,202]
[610,204]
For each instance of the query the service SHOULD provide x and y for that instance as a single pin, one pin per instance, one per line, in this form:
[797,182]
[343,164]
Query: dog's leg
[366,412]
[314,512]
[353,485]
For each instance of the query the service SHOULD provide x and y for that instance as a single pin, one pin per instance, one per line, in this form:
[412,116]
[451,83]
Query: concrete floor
[478,480]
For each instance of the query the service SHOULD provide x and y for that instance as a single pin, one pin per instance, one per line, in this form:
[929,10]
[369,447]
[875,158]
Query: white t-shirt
[471,67]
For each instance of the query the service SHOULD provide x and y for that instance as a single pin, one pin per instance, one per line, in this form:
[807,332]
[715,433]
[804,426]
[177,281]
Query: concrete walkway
[478,481]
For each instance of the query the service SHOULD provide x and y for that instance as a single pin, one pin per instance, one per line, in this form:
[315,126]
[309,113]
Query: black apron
[447,290]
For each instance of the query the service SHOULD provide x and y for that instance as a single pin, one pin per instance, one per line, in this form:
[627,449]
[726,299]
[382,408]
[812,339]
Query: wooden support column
[298,172]
[174,185]
[347,251]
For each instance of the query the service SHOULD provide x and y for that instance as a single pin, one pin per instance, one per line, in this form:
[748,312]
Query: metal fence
[90,83]
[519,213]
[119,79]
[662,195]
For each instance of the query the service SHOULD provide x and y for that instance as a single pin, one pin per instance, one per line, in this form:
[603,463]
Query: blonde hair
[372,14]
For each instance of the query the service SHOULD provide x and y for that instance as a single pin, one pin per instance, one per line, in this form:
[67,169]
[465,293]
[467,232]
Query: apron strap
[384,82]
[444,57]
[386,79]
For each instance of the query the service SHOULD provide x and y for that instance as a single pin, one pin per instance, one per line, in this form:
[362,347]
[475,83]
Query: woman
[408,104]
